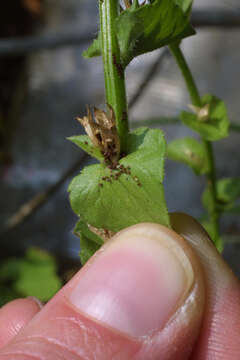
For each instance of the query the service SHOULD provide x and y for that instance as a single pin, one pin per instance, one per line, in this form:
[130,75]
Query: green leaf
[136,34]
[88,249]
[94,49]
[186,5]
[216,126]
[136,5]
[228,192]
[114,199]
[190,152]
[150,27]
[82,228]
[37,275]
[228,189]
[210,230]
[84,142]
[208,227]
[89,241]
[33,275]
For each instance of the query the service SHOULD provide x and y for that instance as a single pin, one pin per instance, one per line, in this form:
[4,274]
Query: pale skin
[149,294]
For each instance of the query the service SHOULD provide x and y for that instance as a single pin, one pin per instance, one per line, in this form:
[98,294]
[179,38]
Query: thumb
[140,297]
[219,336]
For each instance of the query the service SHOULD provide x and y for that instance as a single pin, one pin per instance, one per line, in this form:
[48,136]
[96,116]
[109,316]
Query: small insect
[118,66]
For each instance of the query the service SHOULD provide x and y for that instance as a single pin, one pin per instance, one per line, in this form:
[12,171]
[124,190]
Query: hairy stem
[113,70]
[211,176]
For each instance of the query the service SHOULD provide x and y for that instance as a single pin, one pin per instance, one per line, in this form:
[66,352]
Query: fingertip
[35,301]
[222,310]
[15,315]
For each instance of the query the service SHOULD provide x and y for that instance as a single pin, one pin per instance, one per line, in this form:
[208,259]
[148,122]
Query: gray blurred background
[60,82]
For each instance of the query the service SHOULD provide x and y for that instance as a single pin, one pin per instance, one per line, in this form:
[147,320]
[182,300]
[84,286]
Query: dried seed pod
[201,112]
[128,3]
[103,133]
[103,233]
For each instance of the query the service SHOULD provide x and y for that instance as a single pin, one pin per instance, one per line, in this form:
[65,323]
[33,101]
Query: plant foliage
[141,29]
[190,152]
[110,197]
[33,275]
[113,199]
[213,127]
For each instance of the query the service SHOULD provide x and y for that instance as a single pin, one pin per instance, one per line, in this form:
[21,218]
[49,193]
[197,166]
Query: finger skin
[219,338]
[61,331]
[14,316]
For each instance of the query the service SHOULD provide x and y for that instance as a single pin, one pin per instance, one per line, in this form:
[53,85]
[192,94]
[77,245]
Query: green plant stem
[170,121]
[187,74]
[196,100]
[113,70]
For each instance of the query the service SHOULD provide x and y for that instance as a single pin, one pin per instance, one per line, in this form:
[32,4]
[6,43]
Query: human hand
[149,294]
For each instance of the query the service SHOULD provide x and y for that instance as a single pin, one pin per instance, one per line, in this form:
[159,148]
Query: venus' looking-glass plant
[126,187]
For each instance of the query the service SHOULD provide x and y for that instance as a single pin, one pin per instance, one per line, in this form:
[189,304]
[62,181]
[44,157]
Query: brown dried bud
[102,233]
[128,3]
[201,112]
[103,133]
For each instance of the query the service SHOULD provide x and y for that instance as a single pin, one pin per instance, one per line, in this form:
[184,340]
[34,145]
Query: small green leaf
[82,228]
[94,49]
[84,142]
[150,27]
[186,5]
[88,249]
[135,5]
[190,152]
[37,275]
[89,242]
[208,227]
[132,193]
[216,126]
[33,275]
[210,230]
[228,192]
[228,189]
